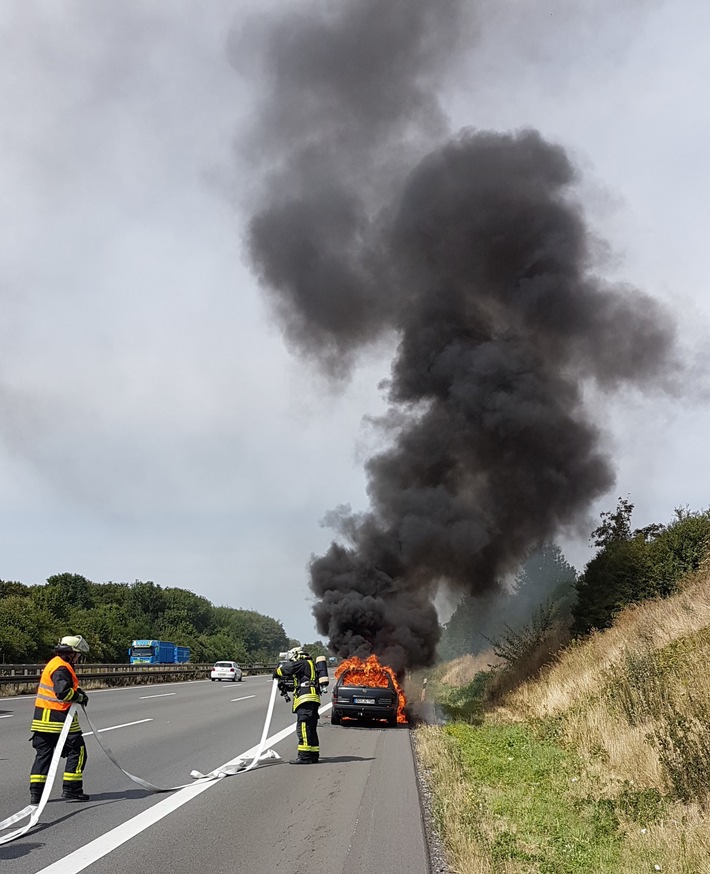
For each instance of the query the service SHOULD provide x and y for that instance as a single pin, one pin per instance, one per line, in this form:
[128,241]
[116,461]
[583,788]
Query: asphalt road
[356,812]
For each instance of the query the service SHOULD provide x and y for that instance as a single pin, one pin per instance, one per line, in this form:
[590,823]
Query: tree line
[545,582]
[632,565]
[549,603]
[111,615]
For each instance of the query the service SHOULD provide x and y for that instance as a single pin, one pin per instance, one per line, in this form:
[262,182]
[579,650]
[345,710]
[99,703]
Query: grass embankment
[600,764]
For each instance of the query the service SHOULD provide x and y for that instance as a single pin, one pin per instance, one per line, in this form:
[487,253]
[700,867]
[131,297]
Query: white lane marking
[102,846]
[7,716]
[162,695]
[113,727]
[244,698]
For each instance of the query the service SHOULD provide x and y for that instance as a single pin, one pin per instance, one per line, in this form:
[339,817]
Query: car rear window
[355,679]
[224,664]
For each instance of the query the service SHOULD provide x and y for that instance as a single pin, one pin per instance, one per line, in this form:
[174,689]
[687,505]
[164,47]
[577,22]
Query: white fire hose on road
[34,811]
[238,766]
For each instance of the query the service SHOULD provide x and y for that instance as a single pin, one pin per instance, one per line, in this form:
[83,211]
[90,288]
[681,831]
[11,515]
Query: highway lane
[356,812]
[197,727]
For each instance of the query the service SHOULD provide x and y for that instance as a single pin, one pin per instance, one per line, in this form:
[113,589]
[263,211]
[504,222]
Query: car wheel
[334,719]
[240,679]
[392,720]
[212,678]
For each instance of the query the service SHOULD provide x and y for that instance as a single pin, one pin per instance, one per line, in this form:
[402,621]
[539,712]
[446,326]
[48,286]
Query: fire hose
[238,766]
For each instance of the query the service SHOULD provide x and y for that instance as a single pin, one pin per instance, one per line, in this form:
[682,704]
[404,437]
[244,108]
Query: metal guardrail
[28,675]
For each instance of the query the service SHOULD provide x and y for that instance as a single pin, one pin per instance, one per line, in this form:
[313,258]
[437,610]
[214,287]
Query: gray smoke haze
[470,250]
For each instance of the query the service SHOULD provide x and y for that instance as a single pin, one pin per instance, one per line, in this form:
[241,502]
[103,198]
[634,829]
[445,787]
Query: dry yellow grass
[633,704]
[615,752]
[680,843]
[654,658]
[577,673]
[461,671]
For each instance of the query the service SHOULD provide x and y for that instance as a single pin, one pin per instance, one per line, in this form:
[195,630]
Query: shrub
[679,549]
[466,703]
[632,567]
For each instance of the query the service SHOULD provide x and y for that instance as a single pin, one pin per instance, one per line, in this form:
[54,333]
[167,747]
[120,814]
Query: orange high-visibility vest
[45,693]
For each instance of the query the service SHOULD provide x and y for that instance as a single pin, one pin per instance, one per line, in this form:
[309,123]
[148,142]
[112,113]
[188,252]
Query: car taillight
[231,670]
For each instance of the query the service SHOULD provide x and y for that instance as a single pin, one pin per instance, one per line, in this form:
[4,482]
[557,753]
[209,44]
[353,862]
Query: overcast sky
[153,424]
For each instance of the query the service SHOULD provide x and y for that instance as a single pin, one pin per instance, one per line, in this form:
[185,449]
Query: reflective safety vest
[45,693]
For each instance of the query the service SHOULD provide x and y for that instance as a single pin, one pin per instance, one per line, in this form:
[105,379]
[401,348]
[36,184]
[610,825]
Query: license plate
[364,700]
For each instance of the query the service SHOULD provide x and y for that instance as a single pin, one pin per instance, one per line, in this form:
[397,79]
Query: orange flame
[371,673]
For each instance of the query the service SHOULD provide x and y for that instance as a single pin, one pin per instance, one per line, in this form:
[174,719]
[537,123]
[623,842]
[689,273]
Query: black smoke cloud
[472,252]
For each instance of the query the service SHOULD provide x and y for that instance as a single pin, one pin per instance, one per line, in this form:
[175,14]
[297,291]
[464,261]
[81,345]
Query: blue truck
[157,652]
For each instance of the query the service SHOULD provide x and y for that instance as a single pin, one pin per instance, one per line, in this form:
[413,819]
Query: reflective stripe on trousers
[307,728]
[74,751]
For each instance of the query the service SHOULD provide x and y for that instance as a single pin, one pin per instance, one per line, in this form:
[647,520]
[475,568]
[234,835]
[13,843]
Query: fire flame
[371,673]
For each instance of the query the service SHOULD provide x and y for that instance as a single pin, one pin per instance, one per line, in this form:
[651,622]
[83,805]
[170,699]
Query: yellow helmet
[74,643]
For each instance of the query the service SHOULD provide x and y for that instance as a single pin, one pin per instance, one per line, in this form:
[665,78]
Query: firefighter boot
[305,759]
[74,792]
[36,794]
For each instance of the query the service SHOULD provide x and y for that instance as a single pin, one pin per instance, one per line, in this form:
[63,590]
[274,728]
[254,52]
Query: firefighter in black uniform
[58,690]
[305,679]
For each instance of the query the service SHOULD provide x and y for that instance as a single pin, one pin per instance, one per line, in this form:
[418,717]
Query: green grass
[534,823]
[465,703]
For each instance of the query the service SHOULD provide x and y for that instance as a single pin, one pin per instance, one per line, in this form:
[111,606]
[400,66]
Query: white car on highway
[226,671]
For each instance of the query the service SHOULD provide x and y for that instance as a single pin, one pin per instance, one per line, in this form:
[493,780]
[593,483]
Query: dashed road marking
[162,695]
[122,725]
[102,846]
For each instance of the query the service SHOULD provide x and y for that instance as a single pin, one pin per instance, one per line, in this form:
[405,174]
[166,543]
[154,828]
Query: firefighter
[298,675]
[58,690]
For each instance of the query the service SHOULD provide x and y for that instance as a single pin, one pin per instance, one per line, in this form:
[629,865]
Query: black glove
[81,697]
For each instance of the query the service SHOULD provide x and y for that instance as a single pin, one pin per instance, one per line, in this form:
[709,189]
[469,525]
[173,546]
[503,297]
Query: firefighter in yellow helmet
[300,675]
[58,690]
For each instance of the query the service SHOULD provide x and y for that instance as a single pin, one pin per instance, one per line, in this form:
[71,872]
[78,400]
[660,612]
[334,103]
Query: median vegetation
[593,755]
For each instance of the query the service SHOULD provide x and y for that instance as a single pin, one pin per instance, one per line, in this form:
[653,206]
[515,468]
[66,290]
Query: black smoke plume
[471,251]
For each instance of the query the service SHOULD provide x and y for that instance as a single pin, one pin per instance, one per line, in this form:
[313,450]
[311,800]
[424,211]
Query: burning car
[366,690]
